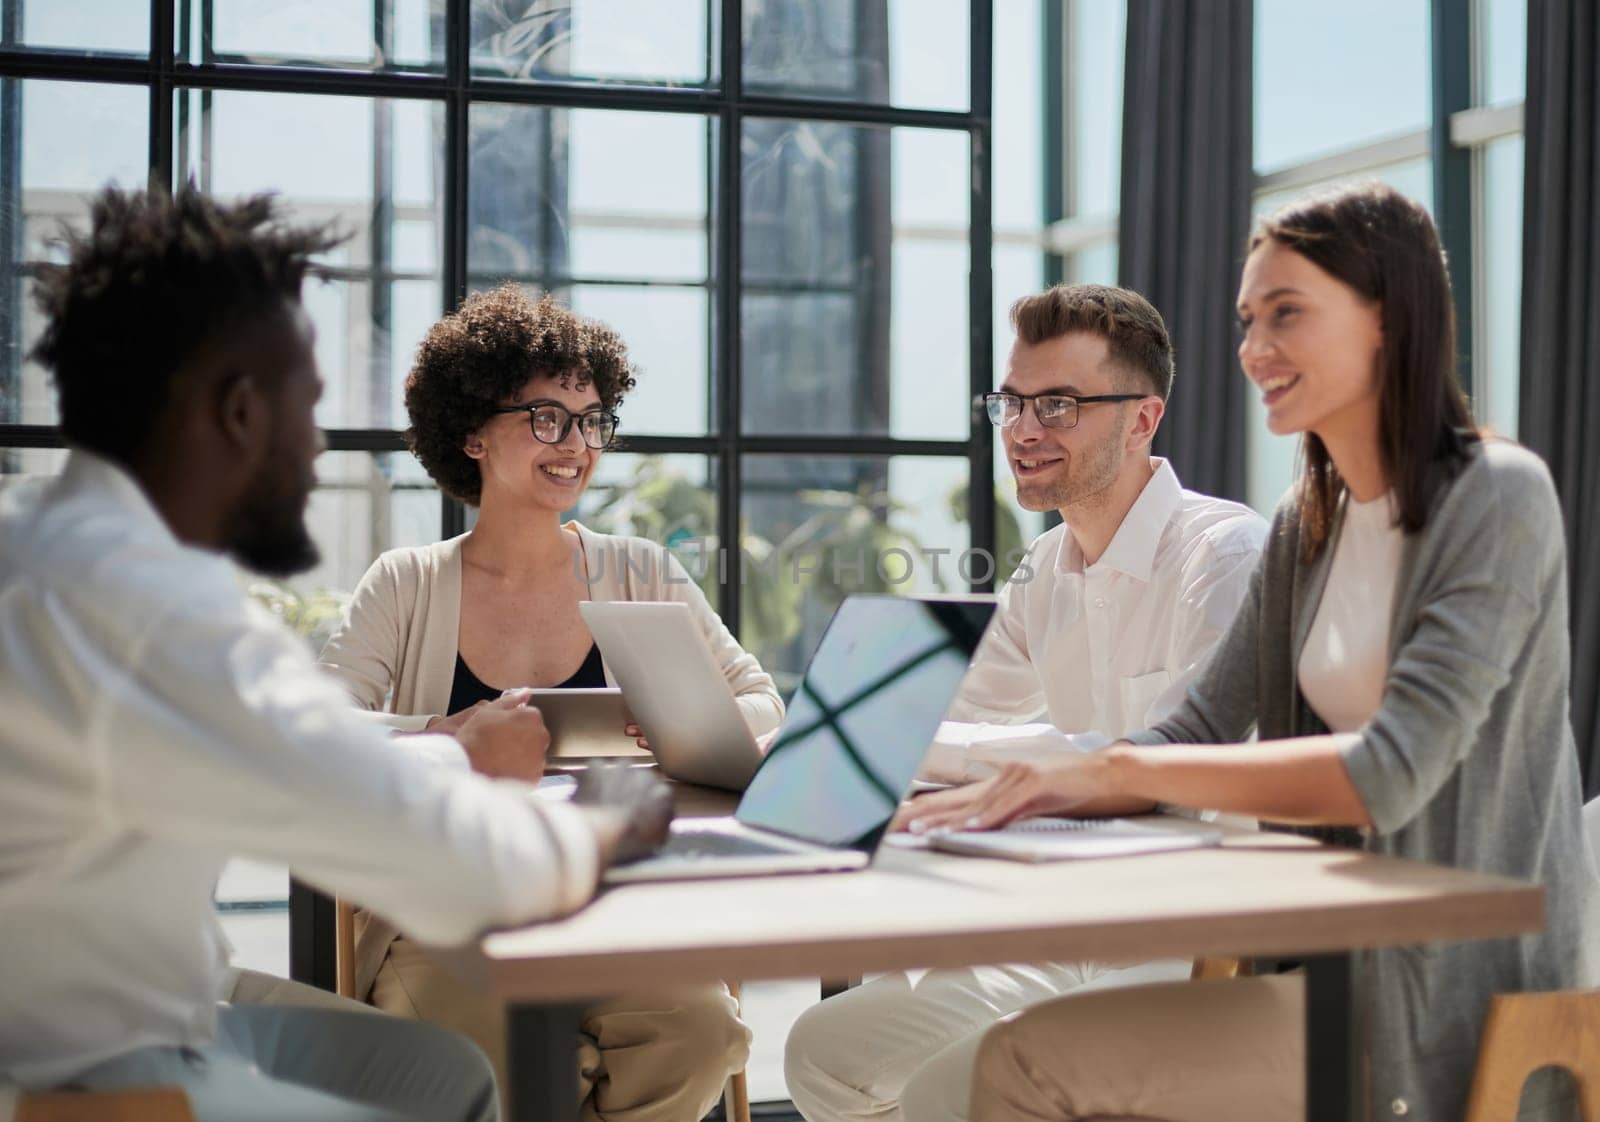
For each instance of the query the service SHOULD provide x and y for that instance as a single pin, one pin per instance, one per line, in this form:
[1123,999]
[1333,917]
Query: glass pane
[1502,49]
[83,26]
[77,137]
[670,500]
[348,34]
[561,199]
[651,42]
[19,464]
[820,527]
[913,53]
[1367,78]
[854,317]
[365,503]
[371,166]
[1497,369]
[1413,178]
[1018,118]
[1018,272]
[592,194]
[253,907]
[1097,40]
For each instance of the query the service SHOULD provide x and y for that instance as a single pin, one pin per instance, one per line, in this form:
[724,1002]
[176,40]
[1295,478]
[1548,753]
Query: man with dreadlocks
[156,722]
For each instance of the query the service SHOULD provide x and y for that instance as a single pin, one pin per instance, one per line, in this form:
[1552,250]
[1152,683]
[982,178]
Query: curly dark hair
[482,354]
[155,280]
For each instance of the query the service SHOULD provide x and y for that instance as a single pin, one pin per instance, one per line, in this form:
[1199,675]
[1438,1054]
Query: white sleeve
[223,733]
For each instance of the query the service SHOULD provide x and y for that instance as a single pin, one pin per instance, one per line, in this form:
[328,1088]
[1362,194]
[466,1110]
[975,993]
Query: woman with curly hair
[512,401]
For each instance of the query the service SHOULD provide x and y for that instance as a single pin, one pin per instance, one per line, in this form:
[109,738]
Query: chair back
[145,1104]
[1528,1031]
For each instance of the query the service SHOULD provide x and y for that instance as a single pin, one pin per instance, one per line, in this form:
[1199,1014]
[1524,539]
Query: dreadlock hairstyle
[156,281]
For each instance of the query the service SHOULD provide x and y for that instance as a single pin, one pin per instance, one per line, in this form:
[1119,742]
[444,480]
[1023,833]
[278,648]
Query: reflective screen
[858,726]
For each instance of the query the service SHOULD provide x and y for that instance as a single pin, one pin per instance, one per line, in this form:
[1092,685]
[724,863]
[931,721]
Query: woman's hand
[506,738]
[631,729]
[451,725]
[1018,790]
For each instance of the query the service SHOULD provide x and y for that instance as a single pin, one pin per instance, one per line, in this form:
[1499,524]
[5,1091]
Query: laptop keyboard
[711,844]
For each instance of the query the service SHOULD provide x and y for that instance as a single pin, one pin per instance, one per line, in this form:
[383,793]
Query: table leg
[1333,1086]
[542,1055]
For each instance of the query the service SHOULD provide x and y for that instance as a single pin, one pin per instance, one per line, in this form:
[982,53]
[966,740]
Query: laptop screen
[881,679]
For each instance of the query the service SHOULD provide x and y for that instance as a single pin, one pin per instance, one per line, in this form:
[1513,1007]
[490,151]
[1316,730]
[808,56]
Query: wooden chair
[1527,1031]
[735,1096]
[149,1104]
[1207,968]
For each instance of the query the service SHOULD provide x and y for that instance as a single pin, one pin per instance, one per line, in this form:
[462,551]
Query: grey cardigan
[1469,762]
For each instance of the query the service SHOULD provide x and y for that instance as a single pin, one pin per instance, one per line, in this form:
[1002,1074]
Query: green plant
[314,616]
[663,505]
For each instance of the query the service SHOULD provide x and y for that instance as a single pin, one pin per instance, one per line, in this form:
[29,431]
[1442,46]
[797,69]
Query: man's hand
[629,807]
[505,738]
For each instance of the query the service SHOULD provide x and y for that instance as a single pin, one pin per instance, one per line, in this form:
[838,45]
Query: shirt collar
[86,473]
[1133,546]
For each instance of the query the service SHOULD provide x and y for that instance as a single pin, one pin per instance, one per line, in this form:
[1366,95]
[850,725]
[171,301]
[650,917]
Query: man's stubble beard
[1082,481]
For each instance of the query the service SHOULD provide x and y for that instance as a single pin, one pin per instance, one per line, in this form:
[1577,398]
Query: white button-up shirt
[1102,650]
[153,723]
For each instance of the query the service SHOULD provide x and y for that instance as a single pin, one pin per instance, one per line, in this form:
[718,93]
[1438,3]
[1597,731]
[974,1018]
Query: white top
[1109,648]
[1345,662]
[156,722]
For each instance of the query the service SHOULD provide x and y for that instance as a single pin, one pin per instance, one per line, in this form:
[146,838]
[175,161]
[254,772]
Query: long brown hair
[1384,246]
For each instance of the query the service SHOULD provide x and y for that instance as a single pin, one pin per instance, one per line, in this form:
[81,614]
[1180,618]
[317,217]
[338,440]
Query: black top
[468,689]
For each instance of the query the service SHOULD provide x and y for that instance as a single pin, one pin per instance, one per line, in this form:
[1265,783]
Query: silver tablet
[585,722]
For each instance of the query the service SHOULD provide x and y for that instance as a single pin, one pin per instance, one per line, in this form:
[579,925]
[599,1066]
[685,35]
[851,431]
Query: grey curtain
[1185,214]
[1560,398]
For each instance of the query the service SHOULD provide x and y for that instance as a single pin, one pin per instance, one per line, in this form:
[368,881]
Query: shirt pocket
[1139,693]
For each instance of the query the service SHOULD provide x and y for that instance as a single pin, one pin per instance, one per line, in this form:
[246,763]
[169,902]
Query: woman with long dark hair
[1403,659]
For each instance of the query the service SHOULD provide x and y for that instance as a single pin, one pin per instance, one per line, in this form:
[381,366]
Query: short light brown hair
[1135,334]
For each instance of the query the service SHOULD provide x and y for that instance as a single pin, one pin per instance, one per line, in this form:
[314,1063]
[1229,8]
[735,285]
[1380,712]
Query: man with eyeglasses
[157,723]
[1098,633]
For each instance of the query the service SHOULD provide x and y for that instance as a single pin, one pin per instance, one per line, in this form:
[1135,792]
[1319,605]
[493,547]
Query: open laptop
[860,722]
[675,690]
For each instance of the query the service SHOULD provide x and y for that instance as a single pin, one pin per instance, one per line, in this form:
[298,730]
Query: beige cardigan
[395,651]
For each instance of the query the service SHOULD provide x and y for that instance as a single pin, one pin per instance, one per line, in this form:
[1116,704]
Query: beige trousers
[1230,1050]
[901,1047]
[660,1057]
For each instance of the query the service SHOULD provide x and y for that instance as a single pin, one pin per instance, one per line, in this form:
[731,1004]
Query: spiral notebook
[1067,839]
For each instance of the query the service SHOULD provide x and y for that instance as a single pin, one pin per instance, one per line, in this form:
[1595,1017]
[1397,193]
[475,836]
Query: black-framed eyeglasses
[1054,410]
[551,423]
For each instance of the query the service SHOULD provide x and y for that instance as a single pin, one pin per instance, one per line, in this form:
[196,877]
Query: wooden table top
[1257,895]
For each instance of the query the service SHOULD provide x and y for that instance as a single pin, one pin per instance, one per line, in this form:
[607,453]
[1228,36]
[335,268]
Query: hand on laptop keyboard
[630,807]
